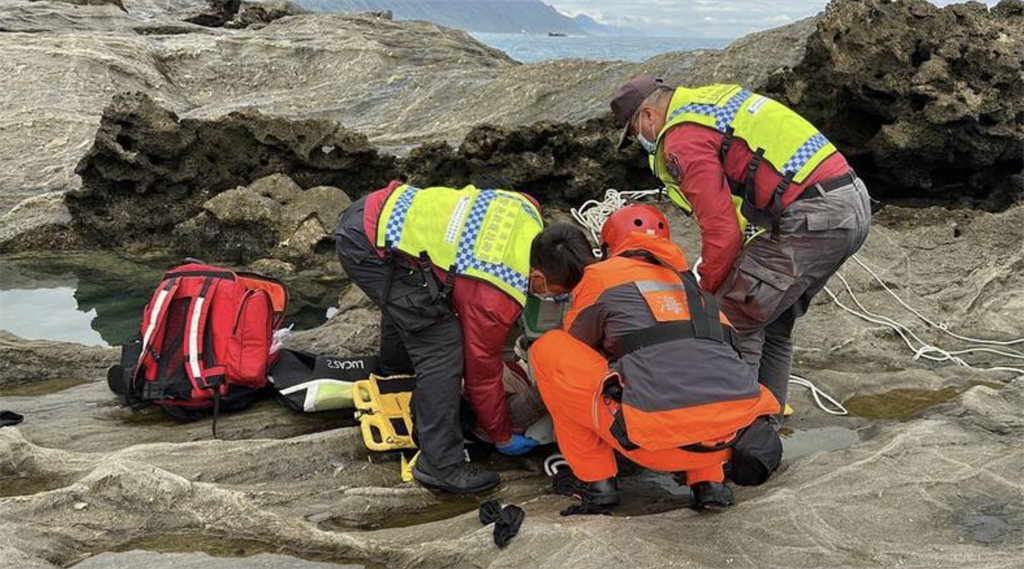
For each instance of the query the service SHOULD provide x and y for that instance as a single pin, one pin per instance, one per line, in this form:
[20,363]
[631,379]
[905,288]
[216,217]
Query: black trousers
[417,334]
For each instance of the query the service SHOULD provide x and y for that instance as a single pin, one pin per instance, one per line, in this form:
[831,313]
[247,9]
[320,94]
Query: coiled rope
[593,213]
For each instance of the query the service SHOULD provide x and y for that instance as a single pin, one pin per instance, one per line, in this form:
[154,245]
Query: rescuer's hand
[517,446]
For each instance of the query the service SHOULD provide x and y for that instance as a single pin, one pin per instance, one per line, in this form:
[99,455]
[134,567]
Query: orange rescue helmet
[631,219]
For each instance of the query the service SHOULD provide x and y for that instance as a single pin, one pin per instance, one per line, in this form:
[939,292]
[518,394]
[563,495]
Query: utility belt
[440,293]
[771,214]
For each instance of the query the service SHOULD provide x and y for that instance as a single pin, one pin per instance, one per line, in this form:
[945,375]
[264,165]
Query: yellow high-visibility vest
[785,140]
[484,234]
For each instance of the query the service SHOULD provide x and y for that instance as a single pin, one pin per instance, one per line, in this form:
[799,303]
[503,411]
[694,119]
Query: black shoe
[603,492]
[459,478]
[712,496]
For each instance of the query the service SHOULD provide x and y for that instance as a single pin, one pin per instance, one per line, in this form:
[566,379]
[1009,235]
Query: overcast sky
[699,18]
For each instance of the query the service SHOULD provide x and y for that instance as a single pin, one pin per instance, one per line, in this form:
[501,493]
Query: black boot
[603,492]
[459,478]
[712,496]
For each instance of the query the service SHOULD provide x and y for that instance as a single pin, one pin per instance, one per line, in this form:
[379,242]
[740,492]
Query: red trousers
[570,375]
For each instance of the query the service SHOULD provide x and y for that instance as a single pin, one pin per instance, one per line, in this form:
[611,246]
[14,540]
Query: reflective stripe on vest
[789,144]
[485,234]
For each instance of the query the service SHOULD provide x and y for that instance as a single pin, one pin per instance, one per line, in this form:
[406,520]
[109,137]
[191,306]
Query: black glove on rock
[10,418]
[507,520]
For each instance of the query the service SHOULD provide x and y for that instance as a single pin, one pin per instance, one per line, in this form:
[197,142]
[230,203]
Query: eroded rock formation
[154,180]
[927,102]
[400,83]
[148,171]
[272,216]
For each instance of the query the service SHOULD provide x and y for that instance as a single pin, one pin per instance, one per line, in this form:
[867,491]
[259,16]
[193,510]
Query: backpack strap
[204,371]
[156,323]
[204,376]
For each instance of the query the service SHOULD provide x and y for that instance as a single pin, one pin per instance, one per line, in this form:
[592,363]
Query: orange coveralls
[686,391]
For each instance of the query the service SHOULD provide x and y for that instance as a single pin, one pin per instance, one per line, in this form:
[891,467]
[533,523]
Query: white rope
[593,213]
[942,327]
[832,408]
[554,463]
[917,345]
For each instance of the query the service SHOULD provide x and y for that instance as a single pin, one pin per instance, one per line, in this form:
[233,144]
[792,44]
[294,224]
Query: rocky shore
[926,474]
[239,131]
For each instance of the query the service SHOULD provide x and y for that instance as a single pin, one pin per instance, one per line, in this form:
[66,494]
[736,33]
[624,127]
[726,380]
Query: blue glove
[518,446]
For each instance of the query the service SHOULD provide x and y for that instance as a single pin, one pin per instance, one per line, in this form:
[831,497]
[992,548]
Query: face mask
[650,147]
[556,298]
[550,296]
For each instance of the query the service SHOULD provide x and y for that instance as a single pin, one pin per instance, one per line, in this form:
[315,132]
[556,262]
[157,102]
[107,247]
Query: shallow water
[801,442]
[97,299]
[449,506]
[42,387]
[899,404]
[197,551]
[27,485]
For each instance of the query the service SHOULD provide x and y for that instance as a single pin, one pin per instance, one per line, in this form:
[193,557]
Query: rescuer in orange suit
[645,364]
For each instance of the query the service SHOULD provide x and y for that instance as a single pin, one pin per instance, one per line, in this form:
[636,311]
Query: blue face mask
[650,147]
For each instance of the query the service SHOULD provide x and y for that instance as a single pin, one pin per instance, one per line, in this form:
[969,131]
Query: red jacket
[692,155]
[486,315]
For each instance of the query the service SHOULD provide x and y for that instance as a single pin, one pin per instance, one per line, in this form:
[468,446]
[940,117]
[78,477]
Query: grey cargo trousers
[774,279]
[416,333]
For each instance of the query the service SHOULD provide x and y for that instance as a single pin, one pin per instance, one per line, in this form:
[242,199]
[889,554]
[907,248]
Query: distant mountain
[495,16]
[593,27]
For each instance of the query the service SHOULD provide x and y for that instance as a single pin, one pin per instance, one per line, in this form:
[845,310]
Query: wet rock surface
[29,361]
[40,222]
[926,102]
[930,479]
[202,561]
[938,487]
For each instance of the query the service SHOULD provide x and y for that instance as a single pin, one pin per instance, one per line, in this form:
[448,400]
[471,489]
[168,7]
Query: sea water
[97,298]
[531,48]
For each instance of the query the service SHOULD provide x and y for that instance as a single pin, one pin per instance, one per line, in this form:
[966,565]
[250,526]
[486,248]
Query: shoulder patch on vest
[673,167]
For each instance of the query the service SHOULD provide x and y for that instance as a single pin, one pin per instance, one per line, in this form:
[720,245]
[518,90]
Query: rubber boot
[459,478]
[603,492]
[712,496]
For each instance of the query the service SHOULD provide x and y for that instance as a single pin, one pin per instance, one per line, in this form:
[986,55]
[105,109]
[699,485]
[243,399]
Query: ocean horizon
[533,48]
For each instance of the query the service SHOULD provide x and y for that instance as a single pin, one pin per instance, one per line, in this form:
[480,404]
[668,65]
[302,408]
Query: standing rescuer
[450,270]
[758,178]
[644,364]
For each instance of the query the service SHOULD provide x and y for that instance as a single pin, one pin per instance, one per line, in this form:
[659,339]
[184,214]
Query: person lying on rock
[450,271]
[758,177]
[644,364]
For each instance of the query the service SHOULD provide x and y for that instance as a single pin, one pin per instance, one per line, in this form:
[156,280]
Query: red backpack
[204,342]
